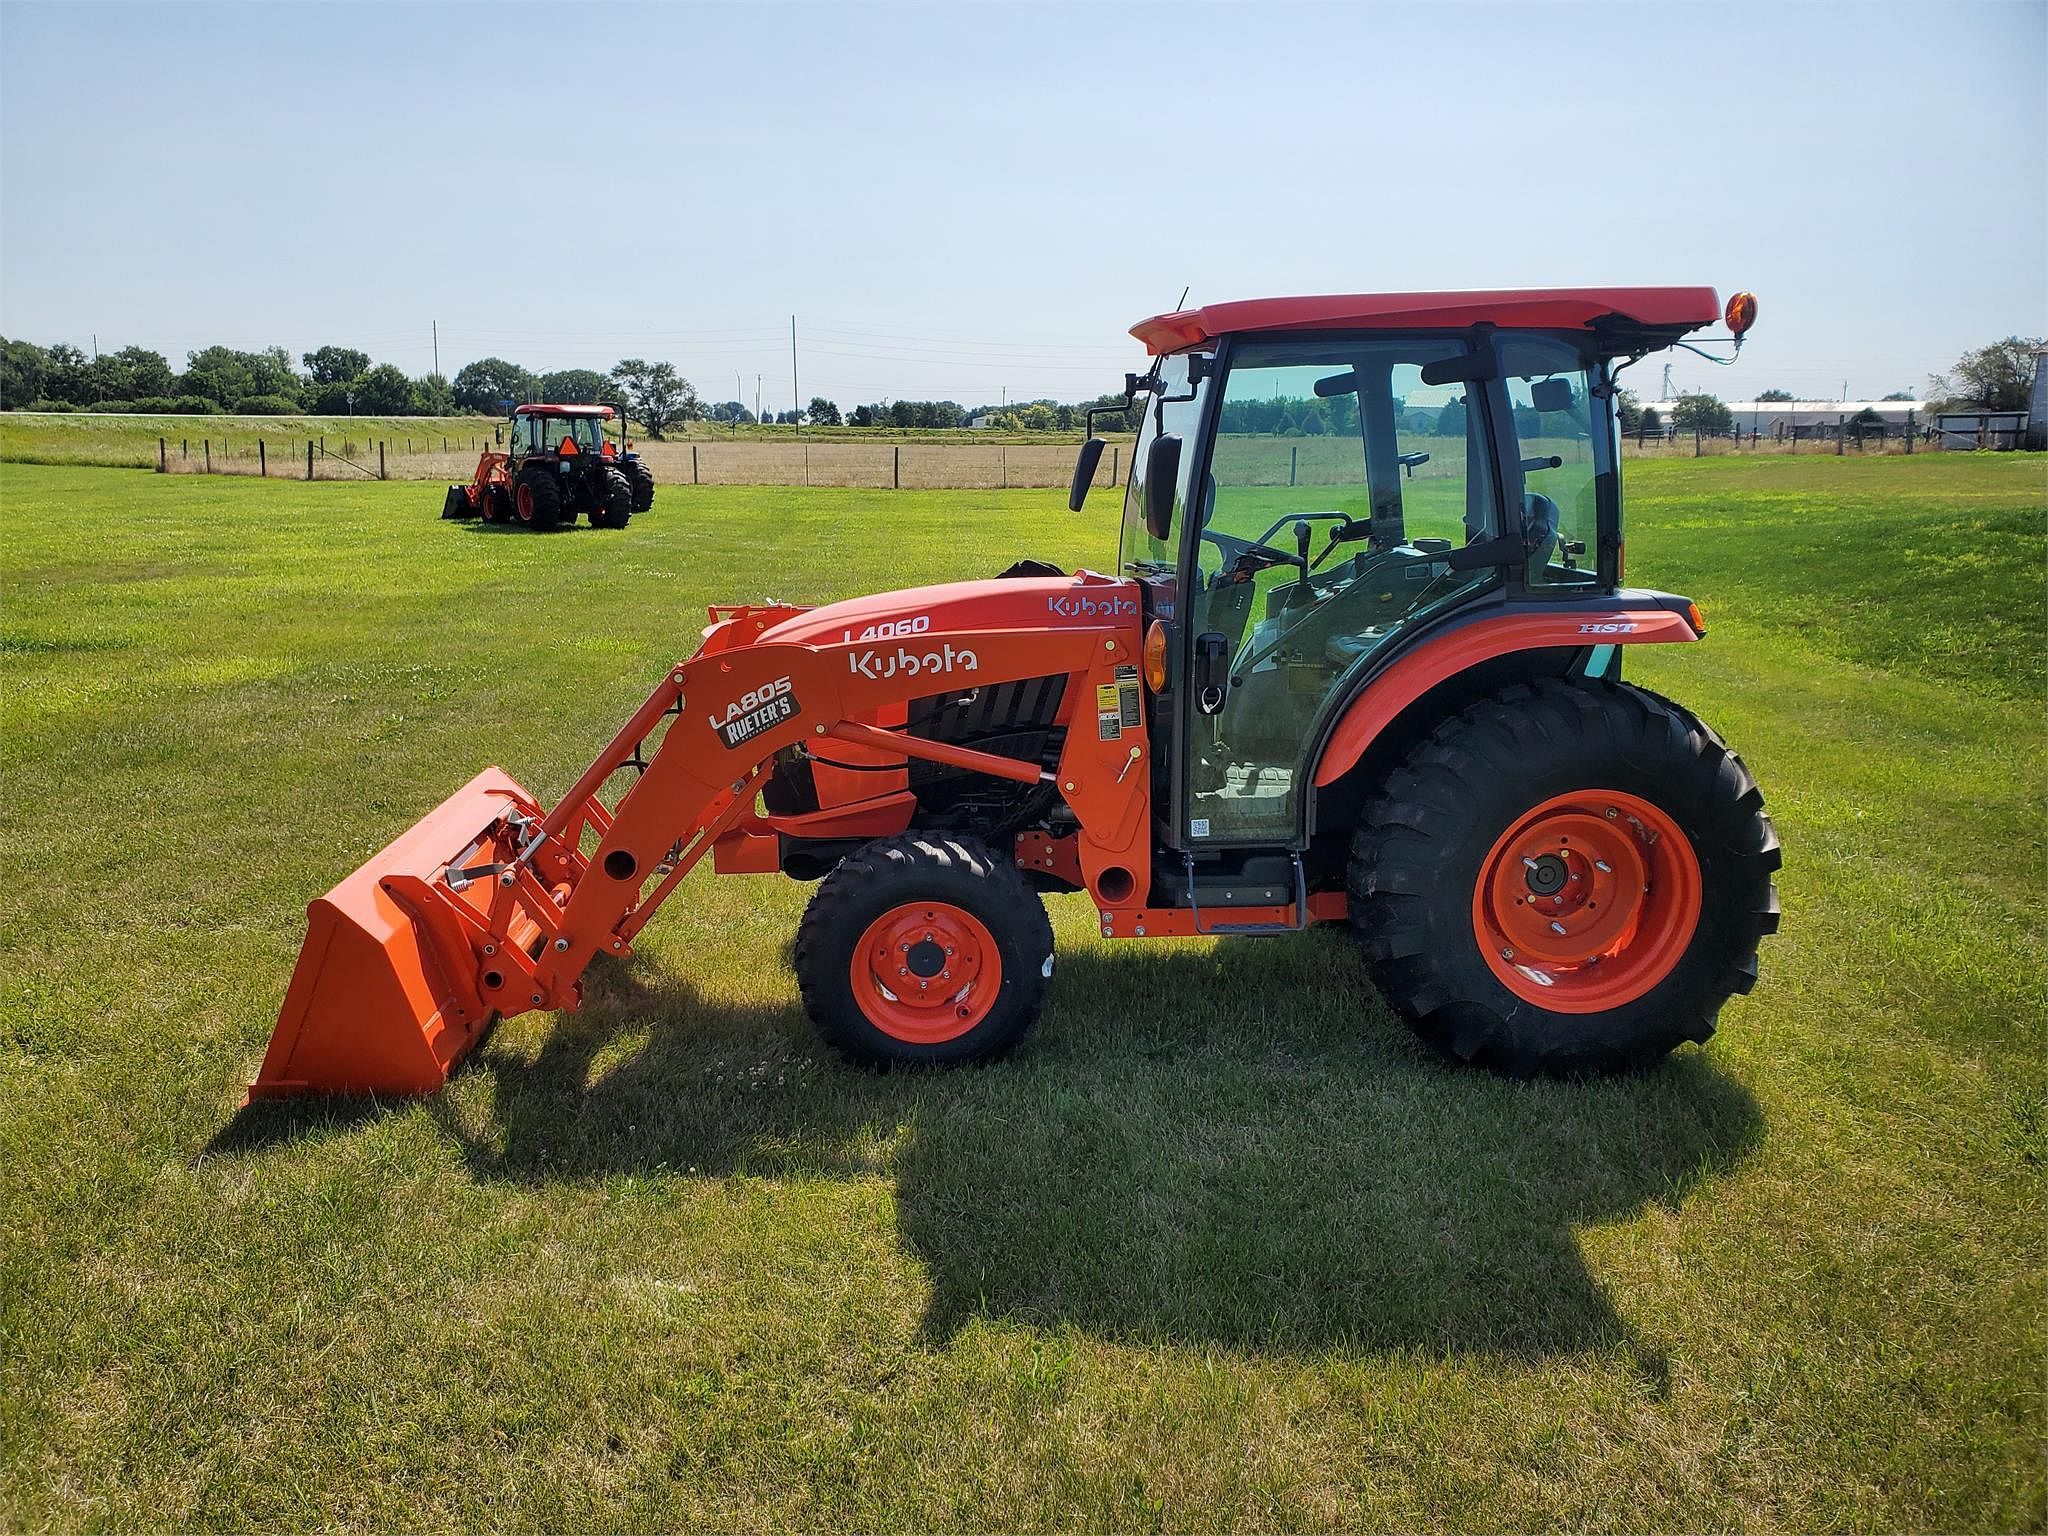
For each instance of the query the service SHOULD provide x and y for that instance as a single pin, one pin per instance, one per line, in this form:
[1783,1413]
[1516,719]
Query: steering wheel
[1235,549]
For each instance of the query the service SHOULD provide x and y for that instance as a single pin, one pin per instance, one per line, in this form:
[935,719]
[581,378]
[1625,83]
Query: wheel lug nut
[1556,927]
[1603,866]
[1507,954]
[1612,813]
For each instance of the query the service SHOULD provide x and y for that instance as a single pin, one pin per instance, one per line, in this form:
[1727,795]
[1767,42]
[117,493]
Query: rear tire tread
[1409,927]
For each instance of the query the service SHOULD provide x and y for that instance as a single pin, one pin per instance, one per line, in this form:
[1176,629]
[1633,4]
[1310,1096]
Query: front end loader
[1366,672]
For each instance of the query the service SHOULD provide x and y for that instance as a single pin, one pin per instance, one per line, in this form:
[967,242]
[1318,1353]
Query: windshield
[1174,408]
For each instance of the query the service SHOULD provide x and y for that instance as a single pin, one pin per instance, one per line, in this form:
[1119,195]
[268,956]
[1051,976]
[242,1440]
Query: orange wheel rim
[523,498]
[926,972]
[1587,901]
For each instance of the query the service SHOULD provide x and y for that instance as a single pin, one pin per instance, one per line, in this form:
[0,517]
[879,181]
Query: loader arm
[489,907]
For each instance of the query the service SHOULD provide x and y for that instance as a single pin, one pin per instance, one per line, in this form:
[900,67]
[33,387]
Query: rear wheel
[537,500]
[1565,880]
[614,506]
[643,485]
[923,950]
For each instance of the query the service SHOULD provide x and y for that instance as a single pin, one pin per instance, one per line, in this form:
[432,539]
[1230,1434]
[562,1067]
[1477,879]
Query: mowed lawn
[1220,1247]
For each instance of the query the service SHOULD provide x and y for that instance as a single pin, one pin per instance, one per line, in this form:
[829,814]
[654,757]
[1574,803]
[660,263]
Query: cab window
[1560,436]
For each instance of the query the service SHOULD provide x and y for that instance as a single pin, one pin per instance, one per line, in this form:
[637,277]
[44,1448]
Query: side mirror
[1084,473]
[1162,469]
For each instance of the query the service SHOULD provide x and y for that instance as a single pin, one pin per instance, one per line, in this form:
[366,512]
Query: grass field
[1219,1248]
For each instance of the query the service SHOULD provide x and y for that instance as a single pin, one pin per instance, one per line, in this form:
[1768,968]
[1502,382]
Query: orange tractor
[558,463]
[1363,668]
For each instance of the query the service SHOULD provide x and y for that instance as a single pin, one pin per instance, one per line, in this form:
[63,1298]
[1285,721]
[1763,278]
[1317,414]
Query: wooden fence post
[1293,461]
[207,444]
[1116,454]
[262,460]
[1006,465]
[1841,433]
[380,459]
[1695,442]
[1909,431]
[693,464]
[160,456]
[309,458]
[185,447]
[896,469]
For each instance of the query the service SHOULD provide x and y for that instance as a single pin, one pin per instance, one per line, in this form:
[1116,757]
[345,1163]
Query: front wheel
[643,484]
[1565,879]
[923,950]
[614,507]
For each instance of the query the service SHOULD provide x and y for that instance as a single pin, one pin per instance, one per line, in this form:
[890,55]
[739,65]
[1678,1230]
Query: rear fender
[1436,660]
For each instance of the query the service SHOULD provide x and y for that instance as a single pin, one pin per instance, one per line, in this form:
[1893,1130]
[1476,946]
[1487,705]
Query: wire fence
[871,466]
[935,466]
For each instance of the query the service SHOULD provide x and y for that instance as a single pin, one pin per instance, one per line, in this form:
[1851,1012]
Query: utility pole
[437,344]
[757,397]
[795,394]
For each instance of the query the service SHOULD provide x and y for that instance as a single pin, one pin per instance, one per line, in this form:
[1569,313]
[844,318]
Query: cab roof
[1632,312]
[603,411]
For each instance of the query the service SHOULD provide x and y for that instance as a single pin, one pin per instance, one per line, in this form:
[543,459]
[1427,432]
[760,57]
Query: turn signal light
[1155,657]
[1740,314]
[1695,618]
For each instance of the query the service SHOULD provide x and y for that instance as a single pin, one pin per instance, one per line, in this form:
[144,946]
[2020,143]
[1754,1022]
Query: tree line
[329,381]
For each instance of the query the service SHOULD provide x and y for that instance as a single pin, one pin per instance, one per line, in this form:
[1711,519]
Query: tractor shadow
[1236,1147]
[478,526]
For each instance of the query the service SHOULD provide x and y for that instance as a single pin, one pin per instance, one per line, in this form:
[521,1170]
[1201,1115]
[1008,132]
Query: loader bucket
[384,999]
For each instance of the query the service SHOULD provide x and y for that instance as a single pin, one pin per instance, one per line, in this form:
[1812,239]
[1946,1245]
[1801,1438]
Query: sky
[969,201]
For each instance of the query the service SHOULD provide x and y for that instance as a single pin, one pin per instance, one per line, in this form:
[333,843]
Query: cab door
[1337,480]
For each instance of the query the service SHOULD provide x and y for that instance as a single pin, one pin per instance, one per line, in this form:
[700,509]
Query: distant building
[979,423]
[1780,419]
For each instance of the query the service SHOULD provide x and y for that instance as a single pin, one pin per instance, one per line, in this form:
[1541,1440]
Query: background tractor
[557,464]
[1376,682]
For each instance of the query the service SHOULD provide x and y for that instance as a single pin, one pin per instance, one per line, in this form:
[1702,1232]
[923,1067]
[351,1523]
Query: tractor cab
[1319,483]
[560,430]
